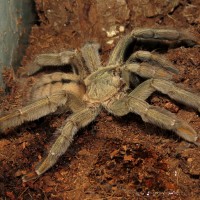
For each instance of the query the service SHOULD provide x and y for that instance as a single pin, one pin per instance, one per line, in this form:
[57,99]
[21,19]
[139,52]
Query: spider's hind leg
[52,60]
[73,124]
[40,108]
[81,62]
[33,111]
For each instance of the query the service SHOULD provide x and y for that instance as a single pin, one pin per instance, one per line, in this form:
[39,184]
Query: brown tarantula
[89,87]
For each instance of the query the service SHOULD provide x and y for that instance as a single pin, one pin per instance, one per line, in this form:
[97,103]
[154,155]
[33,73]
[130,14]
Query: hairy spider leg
[39,108]
[135,102]
[117,56]
[73,124]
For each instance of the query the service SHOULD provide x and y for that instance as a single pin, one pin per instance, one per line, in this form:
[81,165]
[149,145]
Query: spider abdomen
[51,83]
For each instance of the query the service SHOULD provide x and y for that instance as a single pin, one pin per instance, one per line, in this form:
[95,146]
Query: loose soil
[112,158]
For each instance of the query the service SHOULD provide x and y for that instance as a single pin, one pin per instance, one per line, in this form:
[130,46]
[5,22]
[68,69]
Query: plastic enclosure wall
[16,18]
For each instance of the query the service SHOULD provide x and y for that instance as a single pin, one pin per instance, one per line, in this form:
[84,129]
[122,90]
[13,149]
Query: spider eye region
[103,87]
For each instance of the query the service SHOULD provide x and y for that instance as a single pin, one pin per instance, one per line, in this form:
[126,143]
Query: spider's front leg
[147,34]
[73,124]
[144,63]
[135,102]
[171,35]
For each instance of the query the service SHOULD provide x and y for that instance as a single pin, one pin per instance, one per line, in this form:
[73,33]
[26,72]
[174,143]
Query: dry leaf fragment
[114,153]
[128,158]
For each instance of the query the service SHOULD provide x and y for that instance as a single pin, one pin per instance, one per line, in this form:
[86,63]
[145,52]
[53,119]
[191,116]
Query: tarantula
[89,87]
